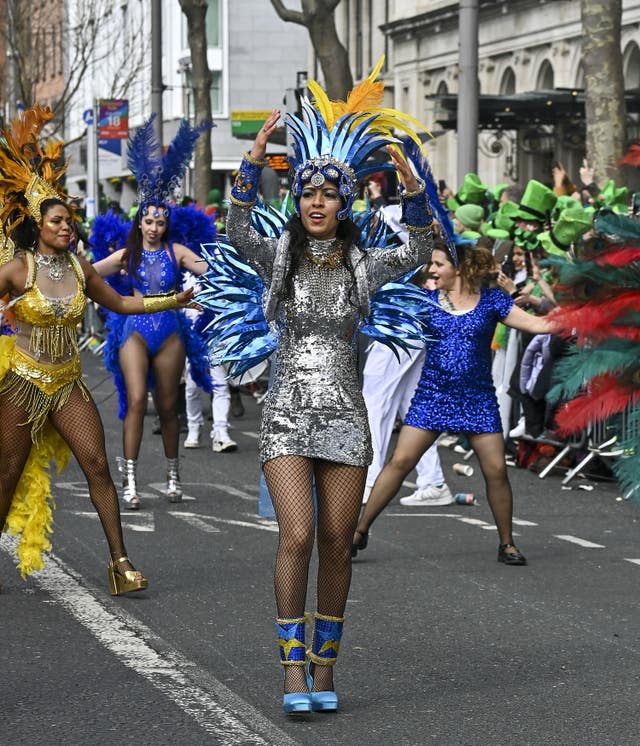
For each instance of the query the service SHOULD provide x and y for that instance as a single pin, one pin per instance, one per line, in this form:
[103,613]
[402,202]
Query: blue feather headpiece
[159,175]
[334,140]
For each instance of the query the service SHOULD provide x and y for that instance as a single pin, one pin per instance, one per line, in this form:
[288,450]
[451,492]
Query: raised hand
[405,174]
[259,147]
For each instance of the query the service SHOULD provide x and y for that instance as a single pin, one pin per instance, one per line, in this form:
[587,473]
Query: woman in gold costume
[46,411]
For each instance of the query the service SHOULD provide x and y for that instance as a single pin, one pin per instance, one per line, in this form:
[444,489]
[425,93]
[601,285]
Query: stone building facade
[525,46]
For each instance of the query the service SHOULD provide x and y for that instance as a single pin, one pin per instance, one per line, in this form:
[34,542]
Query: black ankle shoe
[360,545]
[511,558]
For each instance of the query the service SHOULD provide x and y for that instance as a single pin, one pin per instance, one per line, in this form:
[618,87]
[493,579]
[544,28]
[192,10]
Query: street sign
[87,117]
[113,119]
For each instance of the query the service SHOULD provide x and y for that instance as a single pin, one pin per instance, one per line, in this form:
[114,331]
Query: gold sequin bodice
[46,322]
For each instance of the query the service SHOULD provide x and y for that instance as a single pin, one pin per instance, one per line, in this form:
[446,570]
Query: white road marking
[521,522]
[228,521]
[635,561]
[196,522]
[236,492]
[143,522]
[580,542]
[472,521]
[250,434]
[412,485]
[161,487]
[216,709]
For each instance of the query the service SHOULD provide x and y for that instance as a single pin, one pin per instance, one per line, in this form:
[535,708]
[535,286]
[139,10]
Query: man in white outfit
[221,442]
[388,385]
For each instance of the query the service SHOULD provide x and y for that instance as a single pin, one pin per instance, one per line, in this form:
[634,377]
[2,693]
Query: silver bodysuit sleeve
[385,265]
[256,250]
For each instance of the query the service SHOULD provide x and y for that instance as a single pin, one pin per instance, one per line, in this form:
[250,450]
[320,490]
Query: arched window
[545,77]
[631,66]
[508,82]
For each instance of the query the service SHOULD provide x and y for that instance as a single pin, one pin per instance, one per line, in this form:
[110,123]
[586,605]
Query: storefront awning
[523,110]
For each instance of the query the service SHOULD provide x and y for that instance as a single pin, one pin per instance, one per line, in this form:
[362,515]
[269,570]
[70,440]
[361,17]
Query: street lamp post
[468,89]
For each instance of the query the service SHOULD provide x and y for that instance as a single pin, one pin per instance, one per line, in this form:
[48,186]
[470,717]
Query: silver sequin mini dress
[314,407]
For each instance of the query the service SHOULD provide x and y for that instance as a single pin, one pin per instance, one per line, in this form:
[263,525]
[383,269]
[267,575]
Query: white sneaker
[193,438]
[431,495]
[519,430]
[222,443]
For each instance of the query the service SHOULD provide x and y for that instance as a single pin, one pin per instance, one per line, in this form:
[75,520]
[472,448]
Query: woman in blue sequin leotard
[149,351]
[455,392]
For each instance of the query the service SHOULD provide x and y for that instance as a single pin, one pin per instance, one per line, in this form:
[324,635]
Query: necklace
[445,301]
[331,261]
[56,265]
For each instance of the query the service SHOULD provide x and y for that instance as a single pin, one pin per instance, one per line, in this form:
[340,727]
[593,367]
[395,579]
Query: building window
[213,26]
[216,93]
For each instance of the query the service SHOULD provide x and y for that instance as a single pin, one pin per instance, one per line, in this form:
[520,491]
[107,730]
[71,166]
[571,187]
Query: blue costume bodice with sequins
[158,271]
[455,392]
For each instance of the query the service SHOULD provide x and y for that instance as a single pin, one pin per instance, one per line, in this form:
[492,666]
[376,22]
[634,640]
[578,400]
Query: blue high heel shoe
[297,702]
[326,701]
[292,653]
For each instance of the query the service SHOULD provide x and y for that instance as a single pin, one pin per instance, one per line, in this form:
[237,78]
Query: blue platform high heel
[292,653]
[324,652]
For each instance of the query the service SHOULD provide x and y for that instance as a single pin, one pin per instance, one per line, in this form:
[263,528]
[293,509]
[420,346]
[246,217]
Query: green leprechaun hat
[564,203]
[470,216]
[572,223]
[537,202]
[615,198]
[472,191]
[503,219]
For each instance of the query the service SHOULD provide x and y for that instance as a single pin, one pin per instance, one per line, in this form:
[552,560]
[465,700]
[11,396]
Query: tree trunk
[317,16]
[333,57]
[604,83]
[195,12]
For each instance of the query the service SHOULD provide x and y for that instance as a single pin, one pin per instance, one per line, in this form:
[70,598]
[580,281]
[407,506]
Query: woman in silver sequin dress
[314,427]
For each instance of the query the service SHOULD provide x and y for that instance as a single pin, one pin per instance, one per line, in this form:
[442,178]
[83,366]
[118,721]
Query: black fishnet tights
[80,426]
[339,491]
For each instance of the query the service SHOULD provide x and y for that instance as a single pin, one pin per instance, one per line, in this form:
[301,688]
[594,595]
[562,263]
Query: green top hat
[615,198]
[470,216]
[472,191]
[502,220]
[496,233]
[564,202]
[498,189]
[470,235]
[572,223]
[536,203]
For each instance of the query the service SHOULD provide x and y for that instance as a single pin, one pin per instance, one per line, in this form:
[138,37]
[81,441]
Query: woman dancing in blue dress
[455,392]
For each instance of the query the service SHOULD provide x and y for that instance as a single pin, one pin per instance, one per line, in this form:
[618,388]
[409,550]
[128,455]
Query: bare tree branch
[291,16]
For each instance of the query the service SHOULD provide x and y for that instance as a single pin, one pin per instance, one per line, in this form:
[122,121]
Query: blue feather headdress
[159,175]
[334,140]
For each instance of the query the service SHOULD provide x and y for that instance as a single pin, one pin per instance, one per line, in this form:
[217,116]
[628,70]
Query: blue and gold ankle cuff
[327,634]
[291,641]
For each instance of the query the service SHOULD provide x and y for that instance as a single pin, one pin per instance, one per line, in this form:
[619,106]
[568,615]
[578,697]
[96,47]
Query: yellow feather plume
[366,98]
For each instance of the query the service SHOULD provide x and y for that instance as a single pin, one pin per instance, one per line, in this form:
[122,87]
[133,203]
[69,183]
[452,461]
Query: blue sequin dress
[455,392]
[158,272]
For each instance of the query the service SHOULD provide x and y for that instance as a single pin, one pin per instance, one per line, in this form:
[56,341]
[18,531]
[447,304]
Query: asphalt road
[443,645]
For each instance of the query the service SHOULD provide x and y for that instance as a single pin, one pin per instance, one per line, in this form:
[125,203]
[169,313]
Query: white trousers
[388,386]
[221,400]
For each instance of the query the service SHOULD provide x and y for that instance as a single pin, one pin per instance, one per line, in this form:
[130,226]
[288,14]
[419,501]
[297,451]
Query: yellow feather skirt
[31,513]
